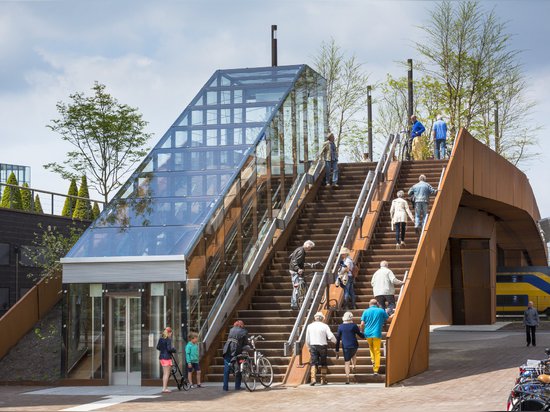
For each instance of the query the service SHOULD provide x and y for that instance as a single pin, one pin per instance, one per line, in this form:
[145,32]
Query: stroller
[179,376]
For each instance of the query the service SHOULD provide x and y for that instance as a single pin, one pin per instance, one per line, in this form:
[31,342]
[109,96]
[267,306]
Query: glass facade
[22,173]
[208,190]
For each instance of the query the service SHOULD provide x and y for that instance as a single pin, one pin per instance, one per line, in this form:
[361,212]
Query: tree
[467,50]
[70,202]
[95,211]
[108,139]
[11,198]
[38,205]
[26,198]
[50,246]
[83,207]
[346,88]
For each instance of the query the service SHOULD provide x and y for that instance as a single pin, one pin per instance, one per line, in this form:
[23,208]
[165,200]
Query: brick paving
[472,371]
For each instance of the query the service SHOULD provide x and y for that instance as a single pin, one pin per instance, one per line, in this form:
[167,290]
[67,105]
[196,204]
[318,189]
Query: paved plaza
[469,370]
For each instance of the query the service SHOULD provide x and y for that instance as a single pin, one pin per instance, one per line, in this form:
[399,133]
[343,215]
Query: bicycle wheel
[265,372]
[185,384]
[248,376]
[301,294]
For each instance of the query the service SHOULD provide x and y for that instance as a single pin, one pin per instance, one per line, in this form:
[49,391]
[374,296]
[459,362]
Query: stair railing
[428,214]
[236,284]
[297,336]
[346,234]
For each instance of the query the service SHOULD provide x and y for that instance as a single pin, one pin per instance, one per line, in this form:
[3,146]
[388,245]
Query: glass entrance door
[125,351]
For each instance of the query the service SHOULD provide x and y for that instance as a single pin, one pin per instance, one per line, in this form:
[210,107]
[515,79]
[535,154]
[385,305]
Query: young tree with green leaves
[26,198]
[108,139]
[468,51]
[11,197]
[70,202]
[346,89]
[83,207]
[38,205]
[50,246]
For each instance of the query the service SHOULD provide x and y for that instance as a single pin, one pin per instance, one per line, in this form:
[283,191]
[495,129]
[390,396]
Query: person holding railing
[345,278]
[421,193]
[296,269]
[399,211]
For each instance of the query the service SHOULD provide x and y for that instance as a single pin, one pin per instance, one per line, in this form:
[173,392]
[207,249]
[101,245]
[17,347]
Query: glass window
[180,138]
[237,96]
[197,118]
[212,137]
[211,117]
[238,115]
[225,97]
[211,98]
[4,254]
[225,116]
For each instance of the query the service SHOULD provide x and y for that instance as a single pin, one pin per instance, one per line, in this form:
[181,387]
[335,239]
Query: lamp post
[274,45]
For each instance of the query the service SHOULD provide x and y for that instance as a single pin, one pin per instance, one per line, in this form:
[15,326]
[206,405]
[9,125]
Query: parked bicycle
[302,284]
[256,367]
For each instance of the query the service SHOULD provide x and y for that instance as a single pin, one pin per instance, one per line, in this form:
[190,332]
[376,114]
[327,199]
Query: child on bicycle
[296,269]
[192,358]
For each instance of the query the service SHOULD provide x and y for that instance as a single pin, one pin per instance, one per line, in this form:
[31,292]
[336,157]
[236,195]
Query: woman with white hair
[399,211]
[318,334]
[347,333]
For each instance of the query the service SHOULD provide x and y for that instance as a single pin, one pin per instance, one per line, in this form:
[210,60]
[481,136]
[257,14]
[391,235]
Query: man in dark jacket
[237,339]
[531,321]
[296,269]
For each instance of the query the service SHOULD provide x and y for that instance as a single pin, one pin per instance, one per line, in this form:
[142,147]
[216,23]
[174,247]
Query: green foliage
[50,246]
[108,139]
[83,207]
[26,198]
[70,203]
[95,211]
[38,205]
[346,89]
[11,197]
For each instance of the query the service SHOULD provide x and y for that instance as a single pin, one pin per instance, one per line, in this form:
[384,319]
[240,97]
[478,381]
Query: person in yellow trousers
[372,322]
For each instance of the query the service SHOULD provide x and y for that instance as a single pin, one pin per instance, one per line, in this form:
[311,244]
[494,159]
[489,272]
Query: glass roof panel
[170,197]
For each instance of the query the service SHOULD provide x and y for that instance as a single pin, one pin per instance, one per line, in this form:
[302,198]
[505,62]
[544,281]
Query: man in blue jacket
[416,131]
[439,134]
[421,193]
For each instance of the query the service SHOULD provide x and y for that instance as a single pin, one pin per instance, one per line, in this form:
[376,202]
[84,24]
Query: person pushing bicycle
[296,269]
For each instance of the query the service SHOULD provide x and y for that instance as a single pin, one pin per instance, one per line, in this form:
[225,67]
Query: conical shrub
[70,202]
[11,198]
[95,211]
[38,205]
[83,208]
[26,199]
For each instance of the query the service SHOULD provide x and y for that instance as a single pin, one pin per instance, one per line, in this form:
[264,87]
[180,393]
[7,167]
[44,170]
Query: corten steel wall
[483,176]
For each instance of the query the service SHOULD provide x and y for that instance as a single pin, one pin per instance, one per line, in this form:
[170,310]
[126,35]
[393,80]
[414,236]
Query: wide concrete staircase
[382,247]
[269,313]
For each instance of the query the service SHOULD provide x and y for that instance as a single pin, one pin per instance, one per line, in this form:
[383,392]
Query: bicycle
[406,149]
[181,381]
[255,368]
[302,284]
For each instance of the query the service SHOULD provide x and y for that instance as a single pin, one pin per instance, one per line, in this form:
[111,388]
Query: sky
[157,55]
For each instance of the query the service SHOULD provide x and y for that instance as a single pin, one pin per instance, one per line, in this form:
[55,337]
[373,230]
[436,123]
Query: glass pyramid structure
[165,205]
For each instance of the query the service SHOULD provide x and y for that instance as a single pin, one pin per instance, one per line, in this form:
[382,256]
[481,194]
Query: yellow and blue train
[518,285]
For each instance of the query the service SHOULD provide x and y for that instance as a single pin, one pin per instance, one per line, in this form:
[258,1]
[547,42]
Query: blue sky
[157,55]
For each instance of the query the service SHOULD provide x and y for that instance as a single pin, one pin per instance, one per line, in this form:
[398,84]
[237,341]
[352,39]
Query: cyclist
[296,269]
[237,339]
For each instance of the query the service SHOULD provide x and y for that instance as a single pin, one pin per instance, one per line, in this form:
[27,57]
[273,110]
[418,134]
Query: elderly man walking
[372,322]
[317,336]
[296,269]
[383,286]
[421,193]
[330,154]
[439,135]
[531,321]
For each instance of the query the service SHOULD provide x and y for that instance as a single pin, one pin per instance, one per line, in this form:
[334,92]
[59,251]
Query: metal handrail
[401,289]
[323,283]
[232,287]
[349,227]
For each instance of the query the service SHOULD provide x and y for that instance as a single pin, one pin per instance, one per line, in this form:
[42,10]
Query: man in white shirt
[383,286]
[317,336]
